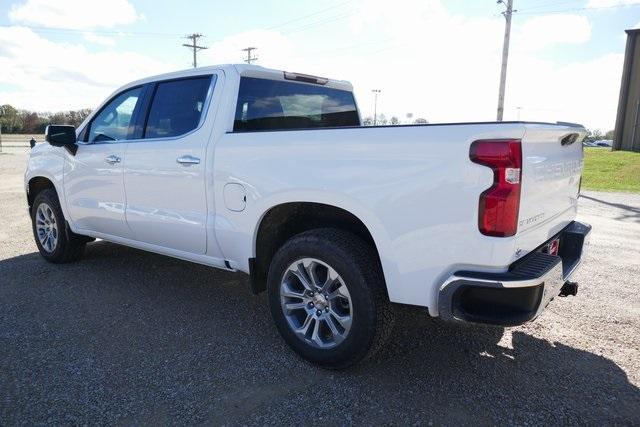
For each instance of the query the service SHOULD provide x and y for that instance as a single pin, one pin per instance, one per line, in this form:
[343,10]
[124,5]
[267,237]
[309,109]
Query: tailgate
[551,171]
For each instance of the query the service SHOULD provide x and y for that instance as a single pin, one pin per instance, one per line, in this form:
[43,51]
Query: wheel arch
[283,221]
[36,184]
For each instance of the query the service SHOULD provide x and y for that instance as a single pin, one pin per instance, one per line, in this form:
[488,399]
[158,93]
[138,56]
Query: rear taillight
[499,205]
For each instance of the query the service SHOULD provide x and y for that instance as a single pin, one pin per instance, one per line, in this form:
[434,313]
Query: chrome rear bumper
[519,294]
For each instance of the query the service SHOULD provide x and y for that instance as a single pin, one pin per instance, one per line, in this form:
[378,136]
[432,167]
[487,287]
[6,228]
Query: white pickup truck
[271,173]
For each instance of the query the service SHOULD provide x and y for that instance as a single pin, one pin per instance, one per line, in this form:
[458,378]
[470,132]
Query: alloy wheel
[316,303]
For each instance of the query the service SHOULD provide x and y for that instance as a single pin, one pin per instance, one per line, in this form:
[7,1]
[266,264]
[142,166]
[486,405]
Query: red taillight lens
[500,204]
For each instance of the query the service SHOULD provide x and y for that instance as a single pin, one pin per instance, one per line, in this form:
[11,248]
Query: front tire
[55,243]
[327,297]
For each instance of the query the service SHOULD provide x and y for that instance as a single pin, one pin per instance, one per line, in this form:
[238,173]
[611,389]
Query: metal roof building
[627,131]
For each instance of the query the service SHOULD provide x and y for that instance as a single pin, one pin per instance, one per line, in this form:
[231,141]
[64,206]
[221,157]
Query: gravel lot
[130,337]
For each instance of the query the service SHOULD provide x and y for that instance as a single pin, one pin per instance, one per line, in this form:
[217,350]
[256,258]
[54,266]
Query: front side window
[115,121]
[176,107]
[275,105]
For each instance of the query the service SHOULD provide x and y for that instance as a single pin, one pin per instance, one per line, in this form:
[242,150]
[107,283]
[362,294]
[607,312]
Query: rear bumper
[519,294]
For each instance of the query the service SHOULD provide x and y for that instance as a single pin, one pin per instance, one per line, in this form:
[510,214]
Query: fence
[16,140]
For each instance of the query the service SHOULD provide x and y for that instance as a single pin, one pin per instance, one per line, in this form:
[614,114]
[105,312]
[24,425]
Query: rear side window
[176,107]
[275,105]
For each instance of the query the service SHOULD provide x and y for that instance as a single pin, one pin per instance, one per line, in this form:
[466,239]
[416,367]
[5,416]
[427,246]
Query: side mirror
[62,136]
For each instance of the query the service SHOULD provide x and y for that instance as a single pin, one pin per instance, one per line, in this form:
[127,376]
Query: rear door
[164,171]
[551,171]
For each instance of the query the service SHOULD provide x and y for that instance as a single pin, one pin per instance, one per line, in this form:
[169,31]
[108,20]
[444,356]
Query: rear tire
[56,243]
[346,321]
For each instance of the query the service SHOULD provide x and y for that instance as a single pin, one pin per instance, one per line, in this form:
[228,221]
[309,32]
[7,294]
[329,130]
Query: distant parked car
[604,143]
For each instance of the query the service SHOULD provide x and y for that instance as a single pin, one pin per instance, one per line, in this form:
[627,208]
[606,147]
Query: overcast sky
[435,59]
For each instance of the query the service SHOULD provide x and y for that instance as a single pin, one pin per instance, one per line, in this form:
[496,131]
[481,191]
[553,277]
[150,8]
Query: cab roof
[246,70]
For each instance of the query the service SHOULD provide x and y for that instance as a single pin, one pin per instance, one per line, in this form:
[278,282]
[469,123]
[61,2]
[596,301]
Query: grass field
[611,170]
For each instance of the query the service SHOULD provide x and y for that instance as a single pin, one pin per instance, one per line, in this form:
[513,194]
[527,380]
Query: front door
[94,177]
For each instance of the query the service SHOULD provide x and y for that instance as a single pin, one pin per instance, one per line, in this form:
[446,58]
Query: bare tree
[13,120]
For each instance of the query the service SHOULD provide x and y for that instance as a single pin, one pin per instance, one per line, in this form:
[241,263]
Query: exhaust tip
[569,288]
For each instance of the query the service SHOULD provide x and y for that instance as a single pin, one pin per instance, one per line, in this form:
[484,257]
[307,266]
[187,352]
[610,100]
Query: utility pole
[194,45]
[375,105]
[505,55]
[250,58]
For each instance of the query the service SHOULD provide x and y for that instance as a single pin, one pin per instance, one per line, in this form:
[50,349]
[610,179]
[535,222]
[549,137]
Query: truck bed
[414,186]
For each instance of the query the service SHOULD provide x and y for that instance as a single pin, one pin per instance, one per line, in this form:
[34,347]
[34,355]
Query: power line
[250,58]
[101,32]
[549,4]
[194,45]
[159,34]
[578,9]
[308,15]
[303,27]
[321,22]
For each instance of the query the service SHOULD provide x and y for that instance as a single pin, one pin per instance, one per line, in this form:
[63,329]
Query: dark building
[627,132]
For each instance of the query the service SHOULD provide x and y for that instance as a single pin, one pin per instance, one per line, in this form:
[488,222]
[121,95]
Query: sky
[434,59]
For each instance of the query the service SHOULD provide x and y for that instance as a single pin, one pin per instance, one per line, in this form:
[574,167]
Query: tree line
[381,120]
[597,135]
[13,120]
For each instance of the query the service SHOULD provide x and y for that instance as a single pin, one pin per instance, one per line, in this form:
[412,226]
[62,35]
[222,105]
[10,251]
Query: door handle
[188,160]
[112,160]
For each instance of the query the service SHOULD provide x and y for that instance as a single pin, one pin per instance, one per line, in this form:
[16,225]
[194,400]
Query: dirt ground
[131,337]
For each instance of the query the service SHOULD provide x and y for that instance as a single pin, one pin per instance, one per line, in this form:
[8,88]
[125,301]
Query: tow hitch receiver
[569,288]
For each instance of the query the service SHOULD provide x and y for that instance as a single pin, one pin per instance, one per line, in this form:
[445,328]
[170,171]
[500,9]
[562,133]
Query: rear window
[176,107]
[275,105]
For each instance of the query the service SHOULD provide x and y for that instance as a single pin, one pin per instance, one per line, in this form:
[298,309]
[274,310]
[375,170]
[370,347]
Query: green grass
[611,170]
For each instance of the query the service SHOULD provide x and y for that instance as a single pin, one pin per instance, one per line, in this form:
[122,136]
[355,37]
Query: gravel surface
[130,337]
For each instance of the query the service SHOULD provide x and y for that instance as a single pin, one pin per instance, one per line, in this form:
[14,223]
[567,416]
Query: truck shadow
[477,367]
[627,212]
[132,337]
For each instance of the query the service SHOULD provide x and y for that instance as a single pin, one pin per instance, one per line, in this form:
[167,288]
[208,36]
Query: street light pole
[375,105]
